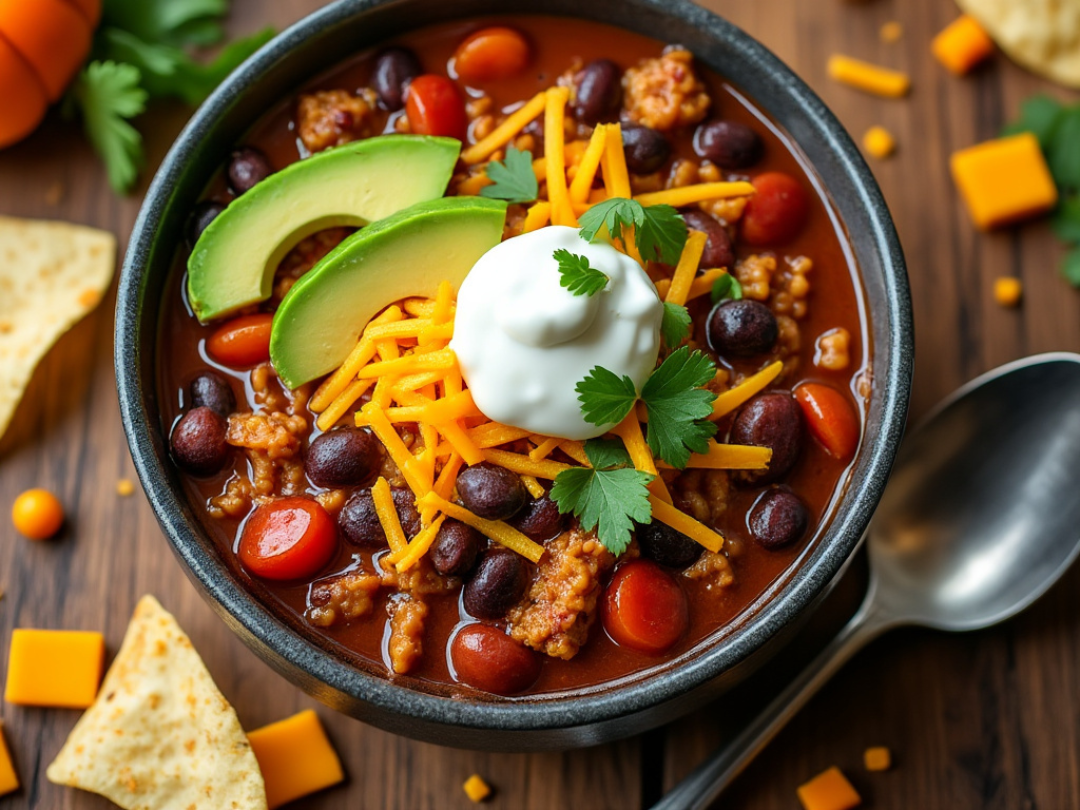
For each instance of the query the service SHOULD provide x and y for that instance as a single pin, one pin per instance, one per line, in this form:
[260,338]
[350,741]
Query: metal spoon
[980,518]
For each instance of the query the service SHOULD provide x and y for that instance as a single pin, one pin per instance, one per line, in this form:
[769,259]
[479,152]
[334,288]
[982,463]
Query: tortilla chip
[1041,35]
[160,736]
[51,275]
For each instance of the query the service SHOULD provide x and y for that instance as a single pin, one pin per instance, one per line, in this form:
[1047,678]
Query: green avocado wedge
[407,254]
[232,265]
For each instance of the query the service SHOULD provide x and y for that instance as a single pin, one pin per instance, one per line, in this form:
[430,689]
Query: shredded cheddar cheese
[728,457]
[420,545]
[699,192]
[523,465]
[538,215]
[731,399]
[590,164]
[500,532]
[867,77]
[682,522]
[388,516]
[555,156]
[506,131]
[685,271]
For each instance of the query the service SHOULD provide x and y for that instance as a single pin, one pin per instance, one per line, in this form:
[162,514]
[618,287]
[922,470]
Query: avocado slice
[407,254]
[233,263]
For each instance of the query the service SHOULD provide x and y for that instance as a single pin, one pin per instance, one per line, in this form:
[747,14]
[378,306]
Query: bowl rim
[319,669]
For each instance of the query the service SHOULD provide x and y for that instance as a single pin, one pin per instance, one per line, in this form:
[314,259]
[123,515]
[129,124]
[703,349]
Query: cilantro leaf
[613,214]
[678,406]
[1070,268]
[608,500]
[107,94]
[676,324]
[1039,116]
[727,286]
[660,232]
[513,179]
[1063,153]
[168,22]
[578,276]
[1066,220]
[604,454]
[604,398]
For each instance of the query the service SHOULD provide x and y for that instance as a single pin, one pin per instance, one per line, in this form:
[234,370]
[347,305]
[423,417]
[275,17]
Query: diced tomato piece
[777,211]
[831,418]
[485,658]
[491,54]
[290,538]
[644,608]
[434,106]
[243,341]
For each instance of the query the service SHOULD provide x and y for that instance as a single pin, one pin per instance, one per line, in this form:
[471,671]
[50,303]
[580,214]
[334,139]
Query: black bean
[247,168]
[394,68]
[742,328]
[456,548]
[405,502]
[665,545]
[539,520]
[343,457]
[491,492]
[646,149]
[599,91]
[360,524]
[728,144]
[211,390]
[778,519]
[201,215]
[771,420]
[198,441]
[499,582]
[718,249]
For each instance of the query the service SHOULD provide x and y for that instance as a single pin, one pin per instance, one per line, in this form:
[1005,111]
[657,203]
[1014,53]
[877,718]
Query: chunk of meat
[714,569]
[559,607]
[420,580]
[342,598]
[307,253]
[406,643]
[334,117]
[665,92]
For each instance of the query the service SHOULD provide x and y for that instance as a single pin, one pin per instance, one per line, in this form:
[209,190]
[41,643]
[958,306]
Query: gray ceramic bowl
[637,703]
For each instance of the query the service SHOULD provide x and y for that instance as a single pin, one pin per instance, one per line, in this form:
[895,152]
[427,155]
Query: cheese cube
[9,781]
[295,757]
[1004,180]
[60,668]
[476,788]
[962,45]
[829,790]
[877,758]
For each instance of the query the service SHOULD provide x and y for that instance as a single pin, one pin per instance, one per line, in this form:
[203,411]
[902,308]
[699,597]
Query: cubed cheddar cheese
[60,668]
[9,780]
[877,758]
[962,45]
[829,790]
[476,788]
[867,77]
[295,758]
[1004,180]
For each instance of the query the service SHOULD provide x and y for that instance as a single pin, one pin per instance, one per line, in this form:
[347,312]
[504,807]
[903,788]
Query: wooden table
[987,720]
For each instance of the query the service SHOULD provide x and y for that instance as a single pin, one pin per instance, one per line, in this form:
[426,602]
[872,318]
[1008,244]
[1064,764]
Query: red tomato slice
[434,106]
[777,211]
[644,608]
[243,341]
[291,538]
[830,417]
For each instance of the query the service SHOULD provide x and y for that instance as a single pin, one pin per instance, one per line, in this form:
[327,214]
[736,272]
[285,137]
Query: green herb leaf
[613,214]
[676,324]
[1066,219]
[107,94]
[514,180]
[577,275]
[727,286]
[604,398]
[1070,268]
[660,232]
[1039,116]
[168,22]
[609,500]
[1063,152]
[678,406]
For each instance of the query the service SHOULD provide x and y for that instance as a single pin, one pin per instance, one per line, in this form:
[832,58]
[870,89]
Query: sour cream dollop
[524,342]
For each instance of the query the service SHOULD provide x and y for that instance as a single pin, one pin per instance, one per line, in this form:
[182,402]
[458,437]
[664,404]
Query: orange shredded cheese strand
[495,529]
[408,328]
[544,449]
[444,303]
[616,175]
[345,400]
[686,268]
[659,488]
[731,399]
[538,215]
[420,545]
[682,522]
[430,361]
[373,415]
[699,192]
[381,396]
[507,130]
[728,457]
[576,451]
[444,485]
[447,409]
[629,430]
[419,307]
[867,77]
[536,489]
[388,516]
[388,349]
[590,163]
[360,356]
[495,433]
[700,286]
[413,382]
[555,156]
[460,441]
[523,465]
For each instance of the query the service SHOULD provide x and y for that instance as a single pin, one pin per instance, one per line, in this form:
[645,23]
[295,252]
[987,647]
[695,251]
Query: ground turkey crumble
[342,598]
[406,643]
[665,93]
[334,117]
[560,605]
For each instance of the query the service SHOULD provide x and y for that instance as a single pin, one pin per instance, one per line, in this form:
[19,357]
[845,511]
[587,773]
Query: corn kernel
[476,788]
[1007,291]
[879,142]
[877,758]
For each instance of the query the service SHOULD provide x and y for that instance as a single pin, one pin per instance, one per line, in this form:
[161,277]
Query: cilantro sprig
[577,275]
[609,497]
[659,230]
[513,179]
[726,287]
[675,327]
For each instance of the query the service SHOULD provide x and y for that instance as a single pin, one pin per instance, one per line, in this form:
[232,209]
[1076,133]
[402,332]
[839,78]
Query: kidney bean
[360,524]
[343,457]
[198,441]
[719,251]
[771,420]
[646,149]
[247,168]
[201,216]
[491,54]
[394,68]
[728,144]
[456,548]
[243,341]
[741,328]
[211,390]
[666,545]
[539,520]
[434,106]
[776,212]
[491,492]
[599,91]
[778,519]
[644,608]
[496,586]
[487,659]
[290,538]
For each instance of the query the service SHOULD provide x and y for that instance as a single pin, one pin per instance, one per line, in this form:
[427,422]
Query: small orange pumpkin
[43,43]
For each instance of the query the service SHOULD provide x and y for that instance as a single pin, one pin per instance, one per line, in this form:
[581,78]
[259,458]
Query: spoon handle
[706,782]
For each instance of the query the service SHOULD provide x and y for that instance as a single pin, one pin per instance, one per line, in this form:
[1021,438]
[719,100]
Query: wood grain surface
[987,720]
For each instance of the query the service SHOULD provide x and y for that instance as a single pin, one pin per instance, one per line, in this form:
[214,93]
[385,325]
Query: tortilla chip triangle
[160,736]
